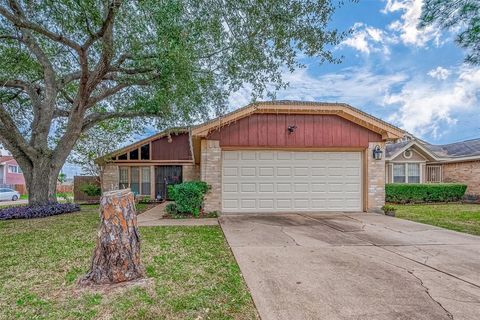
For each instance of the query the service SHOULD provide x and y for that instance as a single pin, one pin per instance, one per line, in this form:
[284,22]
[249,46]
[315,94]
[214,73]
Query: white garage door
[273,181]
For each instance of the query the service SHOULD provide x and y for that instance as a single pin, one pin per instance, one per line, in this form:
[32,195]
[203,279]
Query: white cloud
[407,25]
[357,86]
[424,107]
[439,73]
[367,39]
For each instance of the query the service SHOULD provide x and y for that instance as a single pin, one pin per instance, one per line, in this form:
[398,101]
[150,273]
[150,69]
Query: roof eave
[388,131]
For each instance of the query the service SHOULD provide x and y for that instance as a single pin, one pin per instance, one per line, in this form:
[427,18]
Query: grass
[458,217]
[194,275]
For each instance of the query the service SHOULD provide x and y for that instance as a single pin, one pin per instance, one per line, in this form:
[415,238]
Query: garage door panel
[270,181]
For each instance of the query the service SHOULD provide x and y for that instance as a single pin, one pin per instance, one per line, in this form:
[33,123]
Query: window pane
[134,154]
[413,173]
[123,178]
[122,157]
[145,180]
[145,152]
[135,179]
[399,173]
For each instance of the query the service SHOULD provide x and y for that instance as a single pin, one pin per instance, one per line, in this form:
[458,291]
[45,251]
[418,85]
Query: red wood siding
[178,149]
[270,130]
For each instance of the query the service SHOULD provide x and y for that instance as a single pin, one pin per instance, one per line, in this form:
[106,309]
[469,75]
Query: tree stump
[116,257]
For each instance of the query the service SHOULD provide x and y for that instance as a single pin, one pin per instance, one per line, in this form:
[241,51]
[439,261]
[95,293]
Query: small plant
[188,196]
[91,189]
[65,196]
[213,214]
[389,210]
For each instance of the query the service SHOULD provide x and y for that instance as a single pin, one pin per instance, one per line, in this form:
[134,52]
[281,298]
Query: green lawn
[458,217]
[194,275]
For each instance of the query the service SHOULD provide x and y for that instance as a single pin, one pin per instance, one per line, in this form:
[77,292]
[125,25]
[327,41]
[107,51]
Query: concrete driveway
[355,266]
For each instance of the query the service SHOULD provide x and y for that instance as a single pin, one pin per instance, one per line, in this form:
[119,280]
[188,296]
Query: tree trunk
[117,254]
[41,181]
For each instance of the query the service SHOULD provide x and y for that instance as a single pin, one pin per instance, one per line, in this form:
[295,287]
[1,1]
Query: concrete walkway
[153,218]
[355,266]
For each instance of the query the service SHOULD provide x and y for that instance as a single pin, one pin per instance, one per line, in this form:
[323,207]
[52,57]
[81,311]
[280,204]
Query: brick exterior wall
[110,178]
[375,179]
[191,172]
[464,172]
[211,173]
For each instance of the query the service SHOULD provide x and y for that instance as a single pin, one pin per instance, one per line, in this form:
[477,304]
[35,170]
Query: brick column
[190,172]
[110,178]
[211,173]
[375,179]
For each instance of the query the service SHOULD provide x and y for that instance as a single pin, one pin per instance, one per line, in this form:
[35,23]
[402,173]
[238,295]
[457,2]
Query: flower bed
[41,211]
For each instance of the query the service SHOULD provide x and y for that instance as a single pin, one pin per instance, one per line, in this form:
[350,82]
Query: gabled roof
[458,151]
[4,159]
[388,131]
[466,148]
[137,144]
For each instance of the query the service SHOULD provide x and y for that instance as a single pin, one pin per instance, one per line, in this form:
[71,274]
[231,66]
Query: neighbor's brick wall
[464,172]
[191,172]
[110,178]
[211,173]
[375,179]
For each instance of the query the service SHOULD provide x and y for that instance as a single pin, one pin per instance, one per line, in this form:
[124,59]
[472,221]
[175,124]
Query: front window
[135,180]
[14,169]
[399,173]
[413,172]
[123,179]
[406,173]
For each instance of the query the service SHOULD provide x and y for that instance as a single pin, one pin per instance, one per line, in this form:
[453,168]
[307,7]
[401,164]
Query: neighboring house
[266,157]
[416,161]
[10,172]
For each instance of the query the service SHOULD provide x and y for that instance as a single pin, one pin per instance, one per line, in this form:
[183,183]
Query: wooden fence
[78,195]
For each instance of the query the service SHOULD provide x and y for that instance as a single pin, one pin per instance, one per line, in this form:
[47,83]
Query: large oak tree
[68,65]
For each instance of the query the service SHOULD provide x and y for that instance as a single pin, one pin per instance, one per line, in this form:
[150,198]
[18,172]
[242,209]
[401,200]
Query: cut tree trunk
[117,254]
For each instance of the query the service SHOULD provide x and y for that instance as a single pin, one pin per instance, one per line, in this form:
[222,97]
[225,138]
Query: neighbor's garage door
[273,181]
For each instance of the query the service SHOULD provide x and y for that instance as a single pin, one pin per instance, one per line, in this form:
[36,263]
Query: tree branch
[9,132]
[105,94]
[93,119]
[109,17]
[17,18]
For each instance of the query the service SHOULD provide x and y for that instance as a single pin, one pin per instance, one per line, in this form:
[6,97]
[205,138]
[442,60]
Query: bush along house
[416,161]
[278,156]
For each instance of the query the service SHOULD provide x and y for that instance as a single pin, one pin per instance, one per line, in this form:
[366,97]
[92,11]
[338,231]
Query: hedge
[188,196]
[424,192]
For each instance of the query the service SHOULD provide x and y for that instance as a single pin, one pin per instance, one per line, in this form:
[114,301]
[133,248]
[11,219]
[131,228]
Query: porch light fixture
[377,153]
[291,128]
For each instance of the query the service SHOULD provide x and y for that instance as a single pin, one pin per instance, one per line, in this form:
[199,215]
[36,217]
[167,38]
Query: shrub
[428,192]
[171,209]
[188,196]
[91,189]
[29,212]
[387,208]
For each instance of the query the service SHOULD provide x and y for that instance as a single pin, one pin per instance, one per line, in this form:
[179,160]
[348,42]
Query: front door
[165,176]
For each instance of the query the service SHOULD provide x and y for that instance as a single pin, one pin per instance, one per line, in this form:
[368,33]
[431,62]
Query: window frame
[128,183]
[17,171]
[405,164]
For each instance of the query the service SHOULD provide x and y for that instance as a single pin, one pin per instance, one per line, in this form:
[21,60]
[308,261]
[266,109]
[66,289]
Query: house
[276,156]
[416,161]
[10,172]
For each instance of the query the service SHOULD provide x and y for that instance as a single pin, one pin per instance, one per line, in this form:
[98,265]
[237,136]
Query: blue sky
[415,79]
